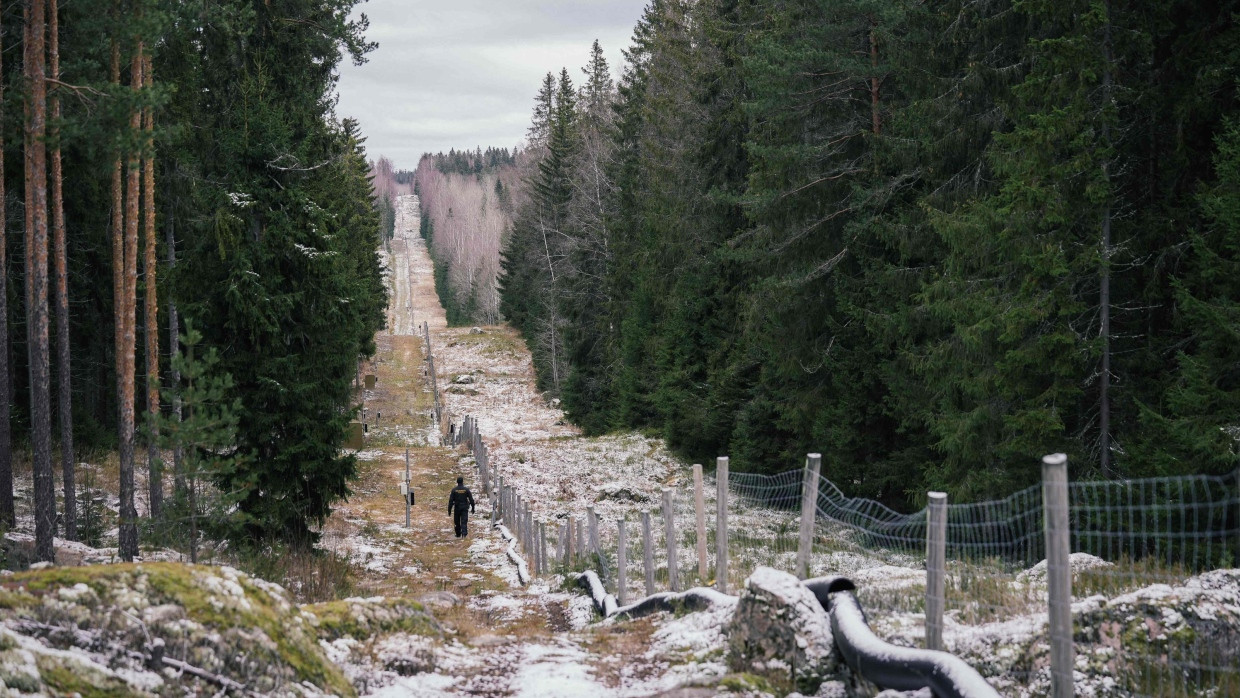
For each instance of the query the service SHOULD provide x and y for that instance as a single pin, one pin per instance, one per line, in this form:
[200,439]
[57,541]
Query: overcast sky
[464,73]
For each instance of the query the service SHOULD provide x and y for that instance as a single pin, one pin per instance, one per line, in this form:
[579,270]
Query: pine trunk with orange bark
[64,403]
[118,305]
[35,172]
[128,531]
[154,466]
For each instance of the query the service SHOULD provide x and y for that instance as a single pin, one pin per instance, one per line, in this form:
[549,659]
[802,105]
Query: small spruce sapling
[206,433]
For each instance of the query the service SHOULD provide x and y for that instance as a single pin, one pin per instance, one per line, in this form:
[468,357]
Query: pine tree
[34,60]
[128,525]
[7,513]
[150,295]
[63,341]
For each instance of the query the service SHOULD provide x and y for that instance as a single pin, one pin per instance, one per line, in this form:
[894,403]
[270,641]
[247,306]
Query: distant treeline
[388,185]
[933,241]
[477,161]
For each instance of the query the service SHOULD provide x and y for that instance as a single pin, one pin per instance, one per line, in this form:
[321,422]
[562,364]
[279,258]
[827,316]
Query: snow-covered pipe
[523,570]
[695,599]
[605,603]
[692,600]
[891,666]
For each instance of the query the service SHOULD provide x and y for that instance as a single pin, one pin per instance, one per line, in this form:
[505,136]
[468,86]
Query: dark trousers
[460,521]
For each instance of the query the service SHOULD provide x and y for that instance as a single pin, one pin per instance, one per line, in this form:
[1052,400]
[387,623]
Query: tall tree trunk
[1104,290]
[7,516]
[36,279]
[174,344]
[59,246]
[876,123]
[128,532]
[154,466]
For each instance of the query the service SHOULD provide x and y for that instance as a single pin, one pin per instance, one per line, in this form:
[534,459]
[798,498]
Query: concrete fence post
[622,560]
[1058,572]
[669,527]
[699,508]
[936,568]
[721,524]
[648,552]
[809,508]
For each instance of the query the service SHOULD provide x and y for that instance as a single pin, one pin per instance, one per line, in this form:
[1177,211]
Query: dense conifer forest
[195,164]
[933,241]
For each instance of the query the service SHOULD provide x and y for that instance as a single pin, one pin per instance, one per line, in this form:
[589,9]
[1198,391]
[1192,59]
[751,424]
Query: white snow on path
[554,671]
[552,668]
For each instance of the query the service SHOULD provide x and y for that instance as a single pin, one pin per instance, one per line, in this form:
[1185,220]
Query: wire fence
[1151,619]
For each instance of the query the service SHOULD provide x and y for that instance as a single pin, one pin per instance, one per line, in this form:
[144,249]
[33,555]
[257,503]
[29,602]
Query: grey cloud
[465,74]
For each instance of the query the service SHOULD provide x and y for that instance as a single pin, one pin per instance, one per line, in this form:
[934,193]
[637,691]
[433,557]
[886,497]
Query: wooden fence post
[699,507]
[592,522]
[809,507]
[1058,572]
[561,551]
[582,551]
[542,548]
[570,555]
[669,528]
[936,568]
[721,524]
[622,589]
[648,552]
[518,520]
[529,537]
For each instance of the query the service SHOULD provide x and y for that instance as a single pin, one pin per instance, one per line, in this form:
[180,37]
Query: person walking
[458,500]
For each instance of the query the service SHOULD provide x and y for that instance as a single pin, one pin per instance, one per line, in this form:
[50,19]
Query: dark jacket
[460,497]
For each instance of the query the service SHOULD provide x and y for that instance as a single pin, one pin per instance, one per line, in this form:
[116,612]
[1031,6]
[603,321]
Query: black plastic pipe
[887,665]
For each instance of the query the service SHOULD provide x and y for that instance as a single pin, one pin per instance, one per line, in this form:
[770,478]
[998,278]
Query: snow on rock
[780,630]
[1078,562]
[123,629]
[1120,642]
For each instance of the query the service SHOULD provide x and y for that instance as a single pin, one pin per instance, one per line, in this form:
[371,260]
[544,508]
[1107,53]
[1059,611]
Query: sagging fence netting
[1133,543]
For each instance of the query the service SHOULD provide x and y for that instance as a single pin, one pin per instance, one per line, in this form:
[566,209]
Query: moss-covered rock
[780,632]
[362,618]
[106,630]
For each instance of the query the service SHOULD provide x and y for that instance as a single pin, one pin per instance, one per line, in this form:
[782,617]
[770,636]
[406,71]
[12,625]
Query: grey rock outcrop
[780,631]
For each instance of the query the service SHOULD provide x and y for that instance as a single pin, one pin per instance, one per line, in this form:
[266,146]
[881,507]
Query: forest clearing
[844,350]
